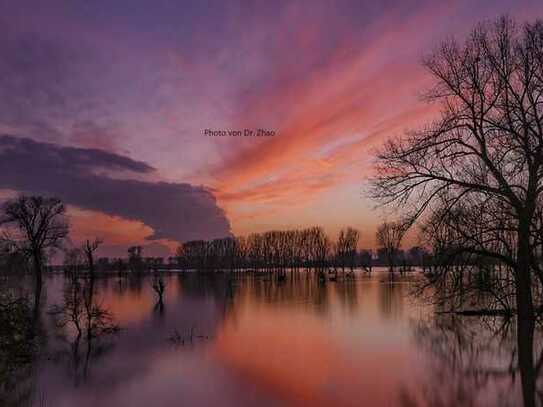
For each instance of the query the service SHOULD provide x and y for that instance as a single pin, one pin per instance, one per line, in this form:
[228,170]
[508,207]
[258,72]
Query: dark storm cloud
[176,211]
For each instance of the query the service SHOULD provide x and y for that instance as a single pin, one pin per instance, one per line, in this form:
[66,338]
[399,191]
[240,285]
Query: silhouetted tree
[135,259]
[486,151]
[366,260]
[39,224]
[347,247]
[389,236]
[88,249]
[416,254]
[12,258]
[85,318]
[159,286]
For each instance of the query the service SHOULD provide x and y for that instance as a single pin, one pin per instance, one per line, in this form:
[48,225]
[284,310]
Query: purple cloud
[176,211]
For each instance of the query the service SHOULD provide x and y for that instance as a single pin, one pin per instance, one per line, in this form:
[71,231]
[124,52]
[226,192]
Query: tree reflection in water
[82,322]
[443,360]
[19,345]
[473,361]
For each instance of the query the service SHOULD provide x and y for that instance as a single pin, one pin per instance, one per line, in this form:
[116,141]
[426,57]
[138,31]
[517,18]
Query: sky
[105,104]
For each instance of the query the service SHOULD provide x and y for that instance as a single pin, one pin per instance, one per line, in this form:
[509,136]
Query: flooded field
[249,340]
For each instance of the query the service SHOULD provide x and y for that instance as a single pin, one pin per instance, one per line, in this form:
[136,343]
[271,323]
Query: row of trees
[273,251]
[35,226]
[307,248]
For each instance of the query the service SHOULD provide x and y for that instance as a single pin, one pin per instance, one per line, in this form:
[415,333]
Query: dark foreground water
[256,342]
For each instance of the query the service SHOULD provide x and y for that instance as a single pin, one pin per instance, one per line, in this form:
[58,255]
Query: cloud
[39,82]
[87,133]
[145,83]
[175,211]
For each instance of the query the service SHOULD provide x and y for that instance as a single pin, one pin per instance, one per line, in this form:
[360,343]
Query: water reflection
[81,323]
[474,361]
[18,350]
[244,339]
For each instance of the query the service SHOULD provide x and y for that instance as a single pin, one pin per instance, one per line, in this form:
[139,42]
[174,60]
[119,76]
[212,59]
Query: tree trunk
[525,315]
[91,264]
[38,283]
[525,339]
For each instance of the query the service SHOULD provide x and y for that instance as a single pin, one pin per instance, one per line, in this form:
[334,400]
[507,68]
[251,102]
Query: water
[258,342]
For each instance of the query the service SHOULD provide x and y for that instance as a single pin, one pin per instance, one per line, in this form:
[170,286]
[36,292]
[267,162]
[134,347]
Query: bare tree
[159,286]
[389,236]
[459,276]
[352,236]
[39,224]
[85,319]
[346,248]
[135,259]
[366,260]
[485,150]
[88,249]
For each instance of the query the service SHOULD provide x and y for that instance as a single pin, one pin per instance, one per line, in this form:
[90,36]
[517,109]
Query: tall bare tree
[38,224]
[486,150]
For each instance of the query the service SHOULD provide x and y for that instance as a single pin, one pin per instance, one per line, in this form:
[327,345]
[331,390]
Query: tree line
[272,251]
[309,248]
[35,227]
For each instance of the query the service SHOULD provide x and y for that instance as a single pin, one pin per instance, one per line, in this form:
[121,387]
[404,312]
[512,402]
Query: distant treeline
[275,251]
[272,251]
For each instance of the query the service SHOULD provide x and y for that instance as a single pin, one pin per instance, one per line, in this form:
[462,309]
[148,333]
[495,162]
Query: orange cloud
[329,121]
[114,231]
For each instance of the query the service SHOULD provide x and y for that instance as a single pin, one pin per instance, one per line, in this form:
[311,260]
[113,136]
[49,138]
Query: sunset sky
[105,105]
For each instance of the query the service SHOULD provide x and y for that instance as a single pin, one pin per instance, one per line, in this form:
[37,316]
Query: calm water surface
[257,342]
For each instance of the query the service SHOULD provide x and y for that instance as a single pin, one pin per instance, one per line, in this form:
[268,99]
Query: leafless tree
[461,276]
[346,249]
[73,308]
[278,251]
[389,236]
[88,249]
[159,286]
[38,224]
[135,259]
[85,318]
[366,260]
[486,149]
